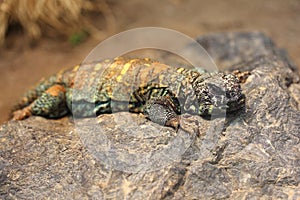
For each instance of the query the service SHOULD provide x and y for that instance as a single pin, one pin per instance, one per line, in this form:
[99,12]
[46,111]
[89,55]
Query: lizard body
[144,86]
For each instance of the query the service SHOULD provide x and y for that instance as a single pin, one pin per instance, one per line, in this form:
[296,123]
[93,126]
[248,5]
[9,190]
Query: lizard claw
[174,123]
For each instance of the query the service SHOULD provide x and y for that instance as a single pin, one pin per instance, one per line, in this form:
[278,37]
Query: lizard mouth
[232,105]
[236,104]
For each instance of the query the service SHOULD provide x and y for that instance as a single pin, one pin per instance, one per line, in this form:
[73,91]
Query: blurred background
[40,37]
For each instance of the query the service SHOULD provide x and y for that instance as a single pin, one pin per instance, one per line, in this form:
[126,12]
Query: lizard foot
[161,110]
[22,114]
[51,104]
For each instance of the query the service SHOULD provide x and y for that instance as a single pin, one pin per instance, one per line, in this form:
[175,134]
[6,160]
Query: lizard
[139,85]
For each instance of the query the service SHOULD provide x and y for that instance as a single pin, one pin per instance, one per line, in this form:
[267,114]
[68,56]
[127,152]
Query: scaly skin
[144,86]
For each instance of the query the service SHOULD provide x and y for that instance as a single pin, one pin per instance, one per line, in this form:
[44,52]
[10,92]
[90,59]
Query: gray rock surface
[253,154]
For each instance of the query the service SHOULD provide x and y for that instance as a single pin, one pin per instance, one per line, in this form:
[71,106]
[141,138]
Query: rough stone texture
[254,154]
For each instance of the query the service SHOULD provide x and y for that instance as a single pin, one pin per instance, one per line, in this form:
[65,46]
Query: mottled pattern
[128,85]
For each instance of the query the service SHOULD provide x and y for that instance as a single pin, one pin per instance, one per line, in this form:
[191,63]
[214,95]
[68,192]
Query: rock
[253,154]
[233,48]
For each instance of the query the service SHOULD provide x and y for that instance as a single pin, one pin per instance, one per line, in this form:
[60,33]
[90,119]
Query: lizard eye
[230,94]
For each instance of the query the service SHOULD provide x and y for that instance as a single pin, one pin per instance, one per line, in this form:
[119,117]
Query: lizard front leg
[51,104]
[163,110]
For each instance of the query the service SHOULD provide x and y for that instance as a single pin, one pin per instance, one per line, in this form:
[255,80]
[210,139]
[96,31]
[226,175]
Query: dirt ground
[21,66]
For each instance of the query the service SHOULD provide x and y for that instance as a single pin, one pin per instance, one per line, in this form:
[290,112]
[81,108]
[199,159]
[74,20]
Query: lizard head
[219,92]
